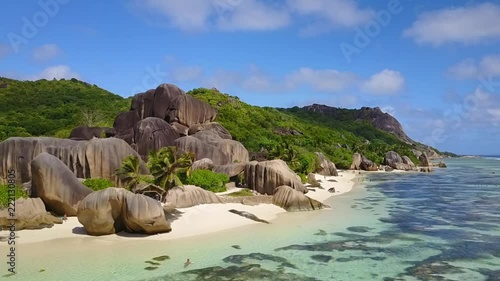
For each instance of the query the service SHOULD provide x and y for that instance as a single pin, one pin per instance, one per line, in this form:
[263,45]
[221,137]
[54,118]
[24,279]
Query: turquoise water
[404,226]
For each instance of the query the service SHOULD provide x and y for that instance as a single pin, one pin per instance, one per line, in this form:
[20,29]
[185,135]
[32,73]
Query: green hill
[295,134]
[53,108]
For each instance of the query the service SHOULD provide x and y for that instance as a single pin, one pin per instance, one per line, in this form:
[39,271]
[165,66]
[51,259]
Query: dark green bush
[4,195]
[97,184]
[208,180]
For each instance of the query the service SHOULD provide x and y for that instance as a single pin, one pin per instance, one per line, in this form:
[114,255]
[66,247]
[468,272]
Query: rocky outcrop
[56,185]
[424,159]
[360,162]
[87,133]
[327,168]
[231,170]
[190,195]
[208,144]
[212,126]
[294,201]
[152,134]
[189,111]
[395,161]
[407,161]
[265,177]
[96,158]
[203,164]
[30,214]
[113,210]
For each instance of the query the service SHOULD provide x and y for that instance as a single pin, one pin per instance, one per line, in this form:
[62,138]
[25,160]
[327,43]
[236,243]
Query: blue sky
[434,66]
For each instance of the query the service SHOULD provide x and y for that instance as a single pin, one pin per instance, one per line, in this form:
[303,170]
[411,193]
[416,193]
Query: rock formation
[56,185]
[30,214]
[203,164]
[208,144]
[360,162]
[87,133]
[395,161]
[265,177]
[96,158]
[294,201]
[231,170]
[152,134]
[425,160]
[189,196]
[113,210]
[407,161]
[212,126]
[327,168]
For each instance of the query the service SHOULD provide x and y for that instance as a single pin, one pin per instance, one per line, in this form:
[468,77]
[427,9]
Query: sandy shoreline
[197,220]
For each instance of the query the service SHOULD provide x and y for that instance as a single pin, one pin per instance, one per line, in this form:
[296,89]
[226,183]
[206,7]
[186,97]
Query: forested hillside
[53,108]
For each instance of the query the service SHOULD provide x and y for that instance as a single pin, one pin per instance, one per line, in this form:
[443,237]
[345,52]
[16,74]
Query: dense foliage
[295,134]
[4,195]
[97,184]
[208,180]
[54,108]
[168,166]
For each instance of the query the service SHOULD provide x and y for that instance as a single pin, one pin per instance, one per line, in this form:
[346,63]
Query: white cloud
[4,50]
[386,82]
[472,69]
[226,15]
[330,14]
[56,72]
[255,15]
[467,25]
[187,73]
[46,52]
[324,80]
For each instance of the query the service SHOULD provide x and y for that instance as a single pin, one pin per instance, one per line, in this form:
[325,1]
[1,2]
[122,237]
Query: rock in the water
[203,164]
[30,214]
[327,168]
[331,190]
[426,170]
[265,177]
[442,165]
[189,196]
[248,215]
[87,133]
[425,160]
[388,169]
[96,158]
[294,201]
[113,210]
[152,134]
[56,185]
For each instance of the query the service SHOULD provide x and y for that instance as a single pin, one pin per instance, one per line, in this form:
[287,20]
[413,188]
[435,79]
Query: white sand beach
[197,220]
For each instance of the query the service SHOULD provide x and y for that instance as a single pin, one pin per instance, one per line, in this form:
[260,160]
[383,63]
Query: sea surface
[392,226]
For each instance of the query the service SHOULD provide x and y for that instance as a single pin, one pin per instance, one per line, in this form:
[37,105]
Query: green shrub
[4,195]
[241,193]
[97,184]
[208,180]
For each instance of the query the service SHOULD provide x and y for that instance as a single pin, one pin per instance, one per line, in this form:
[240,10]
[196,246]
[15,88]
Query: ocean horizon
[391,226]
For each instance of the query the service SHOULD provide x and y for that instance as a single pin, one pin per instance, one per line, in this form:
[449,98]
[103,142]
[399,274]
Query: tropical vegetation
[97,184]
[208,180]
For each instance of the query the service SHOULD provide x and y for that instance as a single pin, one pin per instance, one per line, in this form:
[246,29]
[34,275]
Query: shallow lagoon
[404,226]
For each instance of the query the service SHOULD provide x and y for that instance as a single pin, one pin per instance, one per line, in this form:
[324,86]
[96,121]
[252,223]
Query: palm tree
[167,164]
[130,171]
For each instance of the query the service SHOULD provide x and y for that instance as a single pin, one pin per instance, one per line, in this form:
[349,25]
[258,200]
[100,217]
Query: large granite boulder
[113,210]
[56,185]
[208,144]
[212,126]
[327,167]
[165,96]
[189,111]
[368,165]
[294,201]
[152,134]
[30,214]
[190,195]
[356,161]
[392,159]
[426,162]
[231,170]
[203,164]
[264,177]
[87,133]
[96,158]
[407,161]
